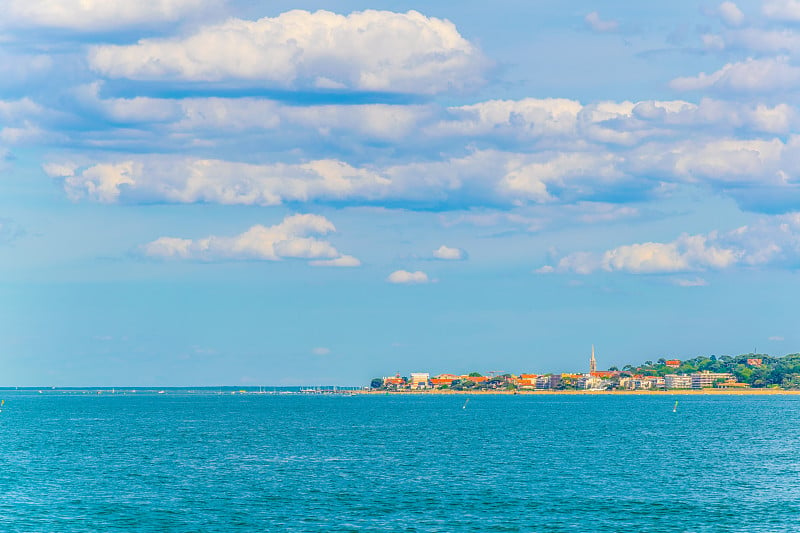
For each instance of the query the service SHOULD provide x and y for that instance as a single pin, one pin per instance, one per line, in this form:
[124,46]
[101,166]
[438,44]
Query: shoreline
[673,392]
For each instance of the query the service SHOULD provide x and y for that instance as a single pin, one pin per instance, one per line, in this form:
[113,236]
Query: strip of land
[671,392]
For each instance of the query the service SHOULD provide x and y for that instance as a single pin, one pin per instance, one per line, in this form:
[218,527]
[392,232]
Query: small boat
[675,407]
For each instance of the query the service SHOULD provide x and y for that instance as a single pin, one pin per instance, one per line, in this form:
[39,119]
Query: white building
[706,379]
[678,381]
[420,380]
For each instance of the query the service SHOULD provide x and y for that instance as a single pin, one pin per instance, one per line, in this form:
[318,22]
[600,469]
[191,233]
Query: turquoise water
[180,462]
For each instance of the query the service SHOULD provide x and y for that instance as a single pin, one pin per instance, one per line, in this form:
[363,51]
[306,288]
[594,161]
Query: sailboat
[675,407]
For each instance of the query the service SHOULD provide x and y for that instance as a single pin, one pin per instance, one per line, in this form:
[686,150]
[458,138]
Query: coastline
[673,392]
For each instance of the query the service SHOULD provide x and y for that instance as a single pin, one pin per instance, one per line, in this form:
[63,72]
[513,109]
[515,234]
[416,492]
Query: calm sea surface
[208,462]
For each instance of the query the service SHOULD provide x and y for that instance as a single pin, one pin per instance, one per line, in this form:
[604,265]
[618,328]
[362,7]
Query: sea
[188,461]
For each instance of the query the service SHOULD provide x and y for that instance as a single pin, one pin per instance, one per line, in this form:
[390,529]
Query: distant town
[723,372]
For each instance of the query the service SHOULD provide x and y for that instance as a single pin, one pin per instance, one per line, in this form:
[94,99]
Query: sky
[211,192]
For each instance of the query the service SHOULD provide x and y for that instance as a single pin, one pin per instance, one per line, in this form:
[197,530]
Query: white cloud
[776,338]
[449,254]
[687,253]
[103,15]
[730,14]
[787,10]
[594,21]
[755,40]
[342,261]
[770,241]
[321,350]
[293,238]
[536,218]
[529,118]
[530,180]
[182,180]
[478,177]
[690,282]
[481,178]
[723,161]
[563,124]
[409,278]
[367,51]
[753,75]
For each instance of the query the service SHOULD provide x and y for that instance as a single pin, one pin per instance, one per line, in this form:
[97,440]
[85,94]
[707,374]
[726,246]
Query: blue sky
[198,192]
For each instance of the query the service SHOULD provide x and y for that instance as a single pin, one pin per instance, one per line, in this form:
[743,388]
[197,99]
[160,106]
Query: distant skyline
[205,192]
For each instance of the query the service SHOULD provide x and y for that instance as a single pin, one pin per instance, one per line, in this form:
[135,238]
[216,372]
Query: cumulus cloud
[755,40]
[753,75]
[771,241]
[687,253]
[730,14]
[408,278]
[562,123]
[364,51]
[448,253]
[482,178]
[294,238]
[785,10]
[717,162]
[181,180]
[483,175]
[342,261]
[377,121]
[597,24]
[99,15]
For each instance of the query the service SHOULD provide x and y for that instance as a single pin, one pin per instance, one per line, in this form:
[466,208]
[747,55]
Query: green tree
[475,375]
[376,383]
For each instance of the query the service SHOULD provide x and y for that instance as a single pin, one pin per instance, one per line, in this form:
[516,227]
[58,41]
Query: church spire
[592,363]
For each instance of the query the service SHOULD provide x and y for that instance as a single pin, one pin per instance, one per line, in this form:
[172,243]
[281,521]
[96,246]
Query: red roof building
[604,374]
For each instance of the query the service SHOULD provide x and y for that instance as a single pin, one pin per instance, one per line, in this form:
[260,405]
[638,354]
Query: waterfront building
[641,382]
[420,380]
[678,381]
[394,382]
[706,379]
[589,382]
[443,379]
[733,385]
[608,374]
